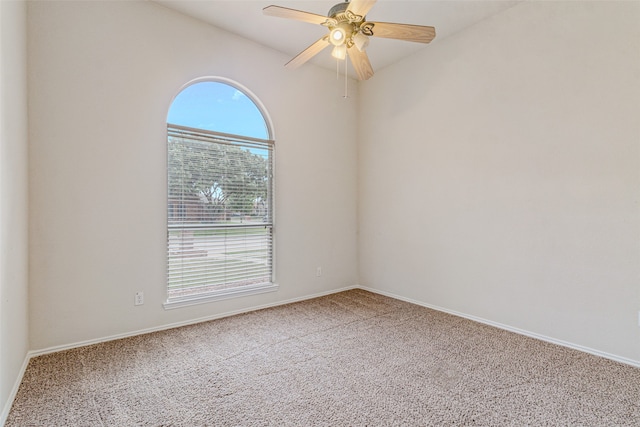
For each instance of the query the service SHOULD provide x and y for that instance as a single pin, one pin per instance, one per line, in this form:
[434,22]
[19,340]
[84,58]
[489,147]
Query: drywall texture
[14,342]
[499,173]
[102,76]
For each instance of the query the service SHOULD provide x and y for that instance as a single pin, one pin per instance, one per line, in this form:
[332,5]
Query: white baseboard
[14,391]
[78,344]
[567,344]
[562,343]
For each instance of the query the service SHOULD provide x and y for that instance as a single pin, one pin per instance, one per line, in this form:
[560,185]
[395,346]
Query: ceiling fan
[349,33]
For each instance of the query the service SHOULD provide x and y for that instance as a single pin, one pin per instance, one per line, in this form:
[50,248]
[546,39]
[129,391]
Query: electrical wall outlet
[318,271]
[139,299]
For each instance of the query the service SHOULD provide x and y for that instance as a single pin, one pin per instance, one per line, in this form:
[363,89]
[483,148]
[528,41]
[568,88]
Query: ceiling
[245,18]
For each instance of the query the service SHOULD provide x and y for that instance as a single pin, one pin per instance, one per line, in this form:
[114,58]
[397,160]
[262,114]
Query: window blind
[220,220]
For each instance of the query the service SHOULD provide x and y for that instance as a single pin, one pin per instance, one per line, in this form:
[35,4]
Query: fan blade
[408,32]
[361,64]
[298,15]
[308,53]
[361,7]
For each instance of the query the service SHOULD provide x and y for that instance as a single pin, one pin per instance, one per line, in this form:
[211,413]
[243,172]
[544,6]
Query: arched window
[220,195]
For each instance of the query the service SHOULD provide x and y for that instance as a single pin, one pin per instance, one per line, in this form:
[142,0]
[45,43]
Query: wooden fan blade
[361,7]
[308,53]
[361,64]
[408,32]
[298,15]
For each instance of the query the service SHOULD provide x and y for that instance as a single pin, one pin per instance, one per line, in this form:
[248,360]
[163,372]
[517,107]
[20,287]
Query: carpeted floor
[348,359]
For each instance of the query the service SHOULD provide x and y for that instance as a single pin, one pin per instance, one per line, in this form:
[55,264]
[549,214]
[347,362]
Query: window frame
[238,291]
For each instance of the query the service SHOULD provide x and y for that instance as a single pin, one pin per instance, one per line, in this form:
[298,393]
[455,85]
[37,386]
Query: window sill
[220,295]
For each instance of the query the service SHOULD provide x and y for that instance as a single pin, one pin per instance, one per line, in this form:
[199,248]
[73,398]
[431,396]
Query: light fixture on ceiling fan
[349,33]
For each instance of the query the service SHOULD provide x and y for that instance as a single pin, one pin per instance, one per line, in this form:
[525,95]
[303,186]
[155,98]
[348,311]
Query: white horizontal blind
[220,222]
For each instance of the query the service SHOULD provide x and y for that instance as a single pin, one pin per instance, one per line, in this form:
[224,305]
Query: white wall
[499,174]
[101,78]
[14,341]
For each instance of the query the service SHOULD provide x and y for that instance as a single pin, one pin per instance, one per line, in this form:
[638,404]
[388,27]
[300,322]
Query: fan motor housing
[337,10]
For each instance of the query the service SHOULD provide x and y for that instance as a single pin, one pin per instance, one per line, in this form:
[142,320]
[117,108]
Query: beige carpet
[353,358]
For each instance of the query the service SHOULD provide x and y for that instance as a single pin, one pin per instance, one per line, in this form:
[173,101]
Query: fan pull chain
[346,78]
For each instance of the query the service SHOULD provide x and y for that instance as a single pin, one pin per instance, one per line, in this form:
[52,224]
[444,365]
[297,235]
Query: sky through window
[217,107]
